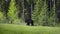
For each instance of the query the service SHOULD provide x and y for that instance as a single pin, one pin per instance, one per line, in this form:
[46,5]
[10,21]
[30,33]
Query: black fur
[29,21]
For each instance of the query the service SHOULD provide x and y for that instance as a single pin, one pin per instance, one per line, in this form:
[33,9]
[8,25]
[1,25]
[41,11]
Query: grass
[21,29]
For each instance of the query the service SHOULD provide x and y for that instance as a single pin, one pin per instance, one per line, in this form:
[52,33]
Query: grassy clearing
[21,29]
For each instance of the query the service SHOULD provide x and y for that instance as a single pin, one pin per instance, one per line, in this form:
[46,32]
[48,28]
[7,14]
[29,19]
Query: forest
[41,12]
[36,14]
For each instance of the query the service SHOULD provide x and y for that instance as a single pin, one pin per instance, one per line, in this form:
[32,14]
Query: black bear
[29,21]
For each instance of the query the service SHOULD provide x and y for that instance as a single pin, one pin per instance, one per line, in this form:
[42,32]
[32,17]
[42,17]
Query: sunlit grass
[21,29]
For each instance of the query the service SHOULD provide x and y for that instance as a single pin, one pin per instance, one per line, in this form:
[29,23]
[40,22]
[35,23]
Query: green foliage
[18,21]
[40,12]
[43,17]
[53,19]
[37,10]
[13,12]
[40,15]
[1,17]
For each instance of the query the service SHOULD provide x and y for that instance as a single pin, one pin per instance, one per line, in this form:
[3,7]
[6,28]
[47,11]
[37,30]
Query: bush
[1,17]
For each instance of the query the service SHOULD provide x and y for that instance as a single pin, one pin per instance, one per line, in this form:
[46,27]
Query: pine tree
[53,19]
[43,17]
[13,13]
[37,10]
[1,17]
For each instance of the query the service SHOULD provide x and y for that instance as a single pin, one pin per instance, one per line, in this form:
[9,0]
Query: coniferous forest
[30,13]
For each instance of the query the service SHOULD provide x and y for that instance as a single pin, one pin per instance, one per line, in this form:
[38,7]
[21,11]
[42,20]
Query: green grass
[21,29]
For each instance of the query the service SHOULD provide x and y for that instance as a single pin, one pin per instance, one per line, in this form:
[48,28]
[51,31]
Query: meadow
[23,29]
